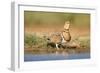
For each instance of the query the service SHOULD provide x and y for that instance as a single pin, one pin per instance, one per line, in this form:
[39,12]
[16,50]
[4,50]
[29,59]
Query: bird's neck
[66,30]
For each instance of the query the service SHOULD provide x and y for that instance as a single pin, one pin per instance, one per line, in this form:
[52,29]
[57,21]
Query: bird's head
[67,25]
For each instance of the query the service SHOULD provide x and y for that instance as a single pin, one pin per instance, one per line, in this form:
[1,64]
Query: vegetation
[40,18]
[38,44]
[84,41]
[33,41]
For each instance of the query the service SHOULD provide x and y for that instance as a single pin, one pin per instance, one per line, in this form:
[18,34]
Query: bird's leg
[57,47]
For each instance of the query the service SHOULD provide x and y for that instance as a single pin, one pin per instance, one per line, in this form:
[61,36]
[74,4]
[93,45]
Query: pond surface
[48,57]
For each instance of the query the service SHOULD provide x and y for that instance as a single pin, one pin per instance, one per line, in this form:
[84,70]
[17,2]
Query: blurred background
[54,22]
[55,19]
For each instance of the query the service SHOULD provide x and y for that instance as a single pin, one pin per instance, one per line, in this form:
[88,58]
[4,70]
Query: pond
[55,56]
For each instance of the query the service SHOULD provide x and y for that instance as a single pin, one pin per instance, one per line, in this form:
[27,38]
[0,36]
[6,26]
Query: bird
[61,37]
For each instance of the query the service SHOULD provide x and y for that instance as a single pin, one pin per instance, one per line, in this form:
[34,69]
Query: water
[48,57]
